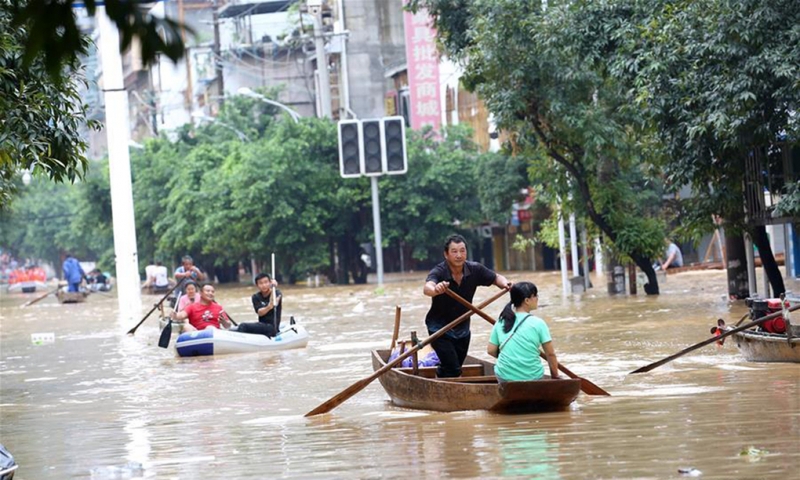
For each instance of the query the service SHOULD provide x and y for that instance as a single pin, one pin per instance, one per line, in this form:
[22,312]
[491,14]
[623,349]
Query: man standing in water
[463,277]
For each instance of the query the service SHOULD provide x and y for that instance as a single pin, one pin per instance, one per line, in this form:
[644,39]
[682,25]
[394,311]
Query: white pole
[345,80]
[324,92]
[599,267]
[376,221]
[119,164]
[573,244]
[562,248]
[585,252]
[274,280]
[788,250]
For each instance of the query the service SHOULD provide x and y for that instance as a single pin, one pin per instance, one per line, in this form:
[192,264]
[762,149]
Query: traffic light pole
[376,222]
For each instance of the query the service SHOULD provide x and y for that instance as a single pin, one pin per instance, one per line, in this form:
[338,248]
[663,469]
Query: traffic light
[394,141]
[373,151]
[350,148]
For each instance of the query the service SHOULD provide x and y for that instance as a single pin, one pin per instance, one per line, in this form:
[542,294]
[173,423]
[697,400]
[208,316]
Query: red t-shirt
[202,315]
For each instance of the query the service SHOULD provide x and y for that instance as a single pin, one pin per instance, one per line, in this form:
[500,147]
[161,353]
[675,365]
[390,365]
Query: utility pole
[119,163]
[187,58]
[315,8]
[218,56]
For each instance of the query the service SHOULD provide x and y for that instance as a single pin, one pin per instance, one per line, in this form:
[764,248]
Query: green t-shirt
[519,358]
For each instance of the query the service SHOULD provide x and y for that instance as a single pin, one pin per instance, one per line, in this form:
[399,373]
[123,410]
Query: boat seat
[476,379]
[474,370]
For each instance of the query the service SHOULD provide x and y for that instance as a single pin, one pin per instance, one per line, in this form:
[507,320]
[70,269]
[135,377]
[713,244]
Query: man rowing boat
[463,277]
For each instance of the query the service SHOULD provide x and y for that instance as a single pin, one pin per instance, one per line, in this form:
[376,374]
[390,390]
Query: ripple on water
[243,415]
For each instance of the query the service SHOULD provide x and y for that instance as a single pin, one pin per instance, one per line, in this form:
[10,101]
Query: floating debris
[43,338]
[690,471]
[753,454]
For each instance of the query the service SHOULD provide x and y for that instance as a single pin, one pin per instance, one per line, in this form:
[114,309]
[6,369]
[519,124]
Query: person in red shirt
[206,313]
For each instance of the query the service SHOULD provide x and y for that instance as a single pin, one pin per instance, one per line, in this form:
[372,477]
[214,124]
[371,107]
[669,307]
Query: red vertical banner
[422,60]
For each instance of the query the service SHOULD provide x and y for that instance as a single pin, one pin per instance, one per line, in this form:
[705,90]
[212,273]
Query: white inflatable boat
[212,341]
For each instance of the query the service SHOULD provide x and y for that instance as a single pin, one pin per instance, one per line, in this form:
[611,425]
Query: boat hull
[478,391]
[212,341]
[26,287]
[71,297]
[767,347]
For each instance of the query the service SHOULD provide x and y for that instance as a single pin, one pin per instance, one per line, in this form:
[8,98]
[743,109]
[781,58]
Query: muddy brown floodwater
[98,404]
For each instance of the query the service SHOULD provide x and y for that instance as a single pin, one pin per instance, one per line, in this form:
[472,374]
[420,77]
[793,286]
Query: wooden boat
[767,347]
[71,297]
[476,389]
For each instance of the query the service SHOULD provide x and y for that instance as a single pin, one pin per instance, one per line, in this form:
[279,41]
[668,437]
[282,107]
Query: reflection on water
[527,453]
[96,403]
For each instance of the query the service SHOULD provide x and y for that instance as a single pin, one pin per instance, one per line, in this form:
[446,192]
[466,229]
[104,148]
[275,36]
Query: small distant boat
[26,287]
[212,341]
[476,389]
[767,347]
[26,280]
[71,297]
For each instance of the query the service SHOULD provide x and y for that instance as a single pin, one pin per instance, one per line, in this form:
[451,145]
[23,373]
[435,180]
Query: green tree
[33,224]
[570,118]
[42,113]
[54,35]
[437,195]
[718,81]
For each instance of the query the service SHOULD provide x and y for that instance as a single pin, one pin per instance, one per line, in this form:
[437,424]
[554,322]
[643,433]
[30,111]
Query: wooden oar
[31,302]
[587,386]
[133,330]
[361,384]
[761,320]
[396,331]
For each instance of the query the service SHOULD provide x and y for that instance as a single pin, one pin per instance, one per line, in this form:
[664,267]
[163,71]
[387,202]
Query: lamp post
[206,118]
[249,93]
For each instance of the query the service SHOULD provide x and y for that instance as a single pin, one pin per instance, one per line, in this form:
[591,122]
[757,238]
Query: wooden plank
[430,372]
[477,379]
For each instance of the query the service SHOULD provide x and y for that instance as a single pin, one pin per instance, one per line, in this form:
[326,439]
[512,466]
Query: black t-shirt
[260,301]
[445,309]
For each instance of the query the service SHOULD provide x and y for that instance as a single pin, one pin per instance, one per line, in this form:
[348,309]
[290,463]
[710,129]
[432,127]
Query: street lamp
[249,93]
[238,133]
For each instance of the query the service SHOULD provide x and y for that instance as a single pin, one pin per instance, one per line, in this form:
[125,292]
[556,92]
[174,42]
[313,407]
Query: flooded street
[98,404]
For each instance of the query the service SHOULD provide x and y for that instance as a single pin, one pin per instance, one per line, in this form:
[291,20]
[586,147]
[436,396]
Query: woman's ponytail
[519,292]
[508,317]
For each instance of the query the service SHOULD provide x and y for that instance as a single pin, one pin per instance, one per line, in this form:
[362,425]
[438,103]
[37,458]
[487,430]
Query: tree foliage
[224,201]
[587,149]
[42,113]
[718,82]
[54,35]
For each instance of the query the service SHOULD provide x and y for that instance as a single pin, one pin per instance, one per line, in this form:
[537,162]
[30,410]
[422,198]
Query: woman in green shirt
[517,337]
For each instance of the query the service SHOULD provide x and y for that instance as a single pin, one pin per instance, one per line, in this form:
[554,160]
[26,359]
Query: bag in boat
[427,355]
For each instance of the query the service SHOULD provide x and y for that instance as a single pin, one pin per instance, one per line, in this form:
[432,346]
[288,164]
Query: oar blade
[646,368]
[590,388]
[166,335]
[341,397]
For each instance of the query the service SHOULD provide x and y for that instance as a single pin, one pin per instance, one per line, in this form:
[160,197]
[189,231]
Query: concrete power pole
[119,164]
[218,56]
[315,8]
